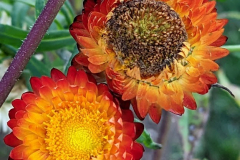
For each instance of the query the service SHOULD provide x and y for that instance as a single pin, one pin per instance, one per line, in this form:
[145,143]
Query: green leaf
[56,40]
[230,66]
[146,139]
[53,40]
[6,7]
[19,12]
[39,5]
[28,2]
[37,67]
[67,12]
[221,140]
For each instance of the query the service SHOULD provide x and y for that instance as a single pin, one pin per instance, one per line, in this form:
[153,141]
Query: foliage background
[212,132]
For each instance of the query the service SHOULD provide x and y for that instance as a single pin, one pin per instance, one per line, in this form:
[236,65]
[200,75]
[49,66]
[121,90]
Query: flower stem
[232,48]
[28,47]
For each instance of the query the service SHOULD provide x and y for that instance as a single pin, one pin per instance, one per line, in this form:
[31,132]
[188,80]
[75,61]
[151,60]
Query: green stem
[232,48]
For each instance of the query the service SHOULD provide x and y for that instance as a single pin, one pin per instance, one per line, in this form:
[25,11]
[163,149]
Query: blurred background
[210,133]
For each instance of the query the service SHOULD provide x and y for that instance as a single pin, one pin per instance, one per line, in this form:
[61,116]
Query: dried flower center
[147,34]
[76,133]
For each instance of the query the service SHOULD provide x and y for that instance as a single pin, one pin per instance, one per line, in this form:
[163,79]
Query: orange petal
[45,93]
[86,42]
[98,59]
[152,94]
[209,65]
[211,37]
[92,52]
[97,68]
[143,106]
[131,90]
[39,155]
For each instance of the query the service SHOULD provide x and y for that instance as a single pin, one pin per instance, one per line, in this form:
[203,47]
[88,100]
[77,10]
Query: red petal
[46,93]
[81,59]
[135,108]
[36,83]
[12,140]
[189,101]
[129,129]
[19,104]
[11,113]
[57,75]
[139,129]
[12,123]
[72,72]
[17,152]
[176,108]
[220,41]
[137,151]
[81,79]
[46,81]
[155,113]
[127,115]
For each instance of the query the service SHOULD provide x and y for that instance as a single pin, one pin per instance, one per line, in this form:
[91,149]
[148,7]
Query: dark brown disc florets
[147,34]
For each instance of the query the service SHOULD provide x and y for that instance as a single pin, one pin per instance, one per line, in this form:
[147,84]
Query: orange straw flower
[70,117]
[155,53]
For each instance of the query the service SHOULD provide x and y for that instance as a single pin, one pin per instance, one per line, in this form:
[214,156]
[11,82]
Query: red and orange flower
[70,117]
[155,53]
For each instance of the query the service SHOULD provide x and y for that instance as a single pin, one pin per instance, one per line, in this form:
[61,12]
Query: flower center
[76,133]
[146,34]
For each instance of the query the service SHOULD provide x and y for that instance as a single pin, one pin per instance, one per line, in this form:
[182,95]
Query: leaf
[53,40]
[230,67]
[66,10]
[37,67]
[28,2]
[146,139]
[39,5]
[192,123]
[18,14]
[221,140]
[6,7]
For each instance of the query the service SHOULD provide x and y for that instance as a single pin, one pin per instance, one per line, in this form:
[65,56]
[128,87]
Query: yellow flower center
[77,132]
[146,34]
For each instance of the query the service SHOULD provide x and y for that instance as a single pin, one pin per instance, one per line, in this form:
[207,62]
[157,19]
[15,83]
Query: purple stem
[28,47]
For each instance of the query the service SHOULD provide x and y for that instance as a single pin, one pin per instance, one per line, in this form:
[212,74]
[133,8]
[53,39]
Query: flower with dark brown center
[155,53]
